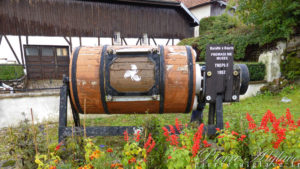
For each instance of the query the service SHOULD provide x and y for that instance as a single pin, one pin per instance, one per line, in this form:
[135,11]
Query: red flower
[150,143]
[298,122]
[178,125]
[242,137]
[227,125]
[264,120]
[296,163]
[234,133]
[169,157]
[174,140]
[196,139]
[166,133]
[172,129]
[58,146]
[218,129]
[126,138]
[109,150]
[132,160]
[251,122]
[151,146]
[138,136]
[220,136]
[206,143]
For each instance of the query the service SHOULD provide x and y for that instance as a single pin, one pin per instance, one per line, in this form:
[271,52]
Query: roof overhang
[210,2]
[162,3]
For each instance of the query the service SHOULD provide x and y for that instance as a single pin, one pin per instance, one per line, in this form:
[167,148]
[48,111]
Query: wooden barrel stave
[176,83]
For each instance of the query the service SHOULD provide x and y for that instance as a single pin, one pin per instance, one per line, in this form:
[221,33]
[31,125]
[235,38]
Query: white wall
[199,13]
[5,51]
[45,108]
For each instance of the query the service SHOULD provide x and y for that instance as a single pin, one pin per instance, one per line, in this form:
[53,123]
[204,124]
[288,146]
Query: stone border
[258,82]
[30,94]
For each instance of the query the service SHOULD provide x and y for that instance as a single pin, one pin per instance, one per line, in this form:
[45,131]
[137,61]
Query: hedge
[11,72]
[257,71]
[290,66]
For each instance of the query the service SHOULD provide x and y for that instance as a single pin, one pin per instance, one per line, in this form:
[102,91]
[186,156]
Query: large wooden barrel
[132,79]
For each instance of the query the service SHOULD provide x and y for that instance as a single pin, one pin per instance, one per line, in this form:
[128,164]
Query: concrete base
[253,89]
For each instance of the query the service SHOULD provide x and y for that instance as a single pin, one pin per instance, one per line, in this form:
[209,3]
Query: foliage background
[254,23]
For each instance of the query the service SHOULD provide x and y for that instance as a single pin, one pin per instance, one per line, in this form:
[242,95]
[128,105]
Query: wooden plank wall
[91,19]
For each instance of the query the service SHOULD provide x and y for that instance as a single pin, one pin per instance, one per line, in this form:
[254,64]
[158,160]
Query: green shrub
[10,72]
[223,29]
[257,71]
[290,66]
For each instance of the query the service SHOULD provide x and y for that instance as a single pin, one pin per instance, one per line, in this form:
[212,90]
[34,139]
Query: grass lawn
[255,106]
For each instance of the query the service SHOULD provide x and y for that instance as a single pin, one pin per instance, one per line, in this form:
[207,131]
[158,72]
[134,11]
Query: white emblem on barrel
[132,73]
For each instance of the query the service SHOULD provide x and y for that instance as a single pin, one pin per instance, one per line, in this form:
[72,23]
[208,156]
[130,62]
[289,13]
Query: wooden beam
[80,43]
[140,41]
[67,40]
[0,39]
[21,49]
[27,40]
[172,41]
[149,41]
[98,41]
[11,48]
[154,41]
[124,41]
[112,41]
[137,41]
[167,42]
[70,38]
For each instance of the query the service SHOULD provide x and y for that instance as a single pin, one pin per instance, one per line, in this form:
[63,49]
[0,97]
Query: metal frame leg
[219,112]
[62,111]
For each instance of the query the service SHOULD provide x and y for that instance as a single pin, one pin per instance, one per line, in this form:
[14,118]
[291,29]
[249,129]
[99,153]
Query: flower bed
[272,143]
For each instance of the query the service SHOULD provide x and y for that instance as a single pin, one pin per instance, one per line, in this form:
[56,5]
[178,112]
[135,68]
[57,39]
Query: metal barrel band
[162,79]
[74,80]
[191,78]
[101,73]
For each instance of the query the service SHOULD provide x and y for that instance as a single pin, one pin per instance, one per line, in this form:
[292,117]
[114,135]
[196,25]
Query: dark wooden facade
[132,18]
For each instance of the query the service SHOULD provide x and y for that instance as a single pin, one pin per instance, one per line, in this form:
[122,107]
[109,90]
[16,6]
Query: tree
[274,18]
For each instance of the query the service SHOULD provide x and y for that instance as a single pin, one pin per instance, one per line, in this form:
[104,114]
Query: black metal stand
[215,109]
[215,115]
[64,130]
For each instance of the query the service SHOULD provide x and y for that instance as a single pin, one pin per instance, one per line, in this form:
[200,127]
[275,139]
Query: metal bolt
[111,51]
[235,73]
[108,98]
[209,73]
[208,98]
[154,50]
[234,97]
[155,97]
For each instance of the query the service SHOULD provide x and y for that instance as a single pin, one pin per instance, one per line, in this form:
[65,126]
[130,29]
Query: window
[47,51]
[32,51]
[61,52]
